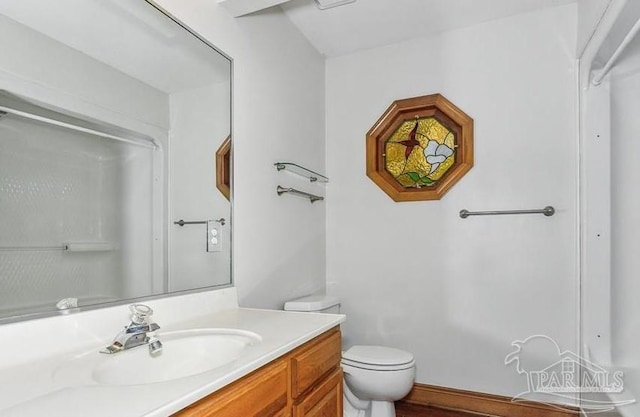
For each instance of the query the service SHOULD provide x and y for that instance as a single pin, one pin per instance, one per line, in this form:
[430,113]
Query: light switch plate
[214,237]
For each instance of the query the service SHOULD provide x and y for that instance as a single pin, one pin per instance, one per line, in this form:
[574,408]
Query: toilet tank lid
[316,302]
[377,355]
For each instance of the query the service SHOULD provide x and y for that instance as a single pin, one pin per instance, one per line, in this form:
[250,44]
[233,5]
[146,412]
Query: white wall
[278,112]
[414,275]
[200,122]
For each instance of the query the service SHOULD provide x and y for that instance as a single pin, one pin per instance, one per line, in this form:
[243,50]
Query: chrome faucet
[138,332]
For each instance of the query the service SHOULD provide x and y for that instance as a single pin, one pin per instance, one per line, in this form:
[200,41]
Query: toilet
[374,376]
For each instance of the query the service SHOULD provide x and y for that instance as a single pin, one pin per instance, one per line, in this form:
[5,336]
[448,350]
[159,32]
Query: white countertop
[29,389]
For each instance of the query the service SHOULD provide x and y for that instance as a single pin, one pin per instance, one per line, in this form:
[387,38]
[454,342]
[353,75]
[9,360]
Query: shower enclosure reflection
[108,134]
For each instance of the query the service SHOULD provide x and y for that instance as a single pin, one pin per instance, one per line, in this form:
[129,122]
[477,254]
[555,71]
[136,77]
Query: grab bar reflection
[547,211]
[181,222]
[68,247]
[31,248]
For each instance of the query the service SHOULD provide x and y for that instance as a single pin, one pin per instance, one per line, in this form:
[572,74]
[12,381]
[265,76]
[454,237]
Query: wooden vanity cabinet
[316,377]
[306,382]
[325,400]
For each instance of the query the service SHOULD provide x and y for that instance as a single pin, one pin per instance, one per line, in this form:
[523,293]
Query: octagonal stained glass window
[419,148]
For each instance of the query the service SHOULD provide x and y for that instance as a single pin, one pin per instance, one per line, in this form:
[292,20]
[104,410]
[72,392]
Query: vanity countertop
[30,389]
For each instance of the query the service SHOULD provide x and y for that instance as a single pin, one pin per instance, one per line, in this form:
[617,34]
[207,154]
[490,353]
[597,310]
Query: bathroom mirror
[111,113]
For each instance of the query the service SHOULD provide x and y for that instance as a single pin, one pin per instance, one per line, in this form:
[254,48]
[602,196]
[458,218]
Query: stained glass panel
[420,152]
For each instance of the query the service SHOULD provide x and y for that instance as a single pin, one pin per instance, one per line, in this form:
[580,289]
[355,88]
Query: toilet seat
[371,367]
[378,358]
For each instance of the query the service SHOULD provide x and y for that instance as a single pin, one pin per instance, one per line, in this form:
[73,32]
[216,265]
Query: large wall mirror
[111,114]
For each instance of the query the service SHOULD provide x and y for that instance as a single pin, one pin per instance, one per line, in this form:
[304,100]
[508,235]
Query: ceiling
[371,23]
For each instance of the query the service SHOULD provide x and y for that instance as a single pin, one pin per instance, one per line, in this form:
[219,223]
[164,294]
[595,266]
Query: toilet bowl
[374,376]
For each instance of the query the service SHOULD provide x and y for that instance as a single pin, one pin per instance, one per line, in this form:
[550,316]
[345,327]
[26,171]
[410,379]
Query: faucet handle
[139,313]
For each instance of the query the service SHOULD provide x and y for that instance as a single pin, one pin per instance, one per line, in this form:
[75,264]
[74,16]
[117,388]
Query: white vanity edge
[28,389]
[35,339]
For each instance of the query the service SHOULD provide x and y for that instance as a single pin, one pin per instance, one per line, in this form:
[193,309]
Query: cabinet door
[314,362]
[325,400]
[263,393]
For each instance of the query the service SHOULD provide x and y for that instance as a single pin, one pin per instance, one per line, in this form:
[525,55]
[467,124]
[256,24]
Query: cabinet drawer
[323,401]
[263,393]
[313,363]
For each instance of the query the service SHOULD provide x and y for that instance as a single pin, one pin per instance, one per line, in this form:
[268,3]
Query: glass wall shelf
[302,171]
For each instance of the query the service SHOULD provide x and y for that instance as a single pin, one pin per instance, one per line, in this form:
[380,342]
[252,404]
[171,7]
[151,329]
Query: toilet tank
[319,303]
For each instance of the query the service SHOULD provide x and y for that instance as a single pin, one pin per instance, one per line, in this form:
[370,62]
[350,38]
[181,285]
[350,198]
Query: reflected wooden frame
[223,168]
[434,105]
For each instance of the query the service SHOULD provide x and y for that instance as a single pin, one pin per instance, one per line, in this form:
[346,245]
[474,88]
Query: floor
[407,410]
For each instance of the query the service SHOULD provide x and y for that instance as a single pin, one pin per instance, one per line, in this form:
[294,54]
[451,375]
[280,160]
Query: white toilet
[374,376]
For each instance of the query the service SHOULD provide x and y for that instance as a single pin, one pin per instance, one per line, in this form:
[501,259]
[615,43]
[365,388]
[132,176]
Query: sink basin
[185,353]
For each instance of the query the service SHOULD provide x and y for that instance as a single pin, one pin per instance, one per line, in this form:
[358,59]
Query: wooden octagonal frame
[434,105]
[223,168]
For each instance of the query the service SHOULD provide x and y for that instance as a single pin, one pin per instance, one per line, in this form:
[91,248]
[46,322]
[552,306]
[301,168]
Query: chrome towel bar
[547,211]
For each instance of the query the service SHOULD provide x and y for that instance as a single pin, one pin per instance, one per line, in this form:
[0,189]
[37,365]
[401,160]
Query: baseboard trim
[480,403]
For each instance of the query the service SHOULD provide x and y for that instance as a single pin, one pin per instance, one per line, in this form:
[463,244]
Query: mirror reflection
[111,114]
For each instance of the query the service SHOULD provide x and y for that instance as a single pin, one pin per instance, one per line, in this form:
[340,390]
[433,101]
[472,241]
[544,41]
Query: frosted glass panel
[62,188]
